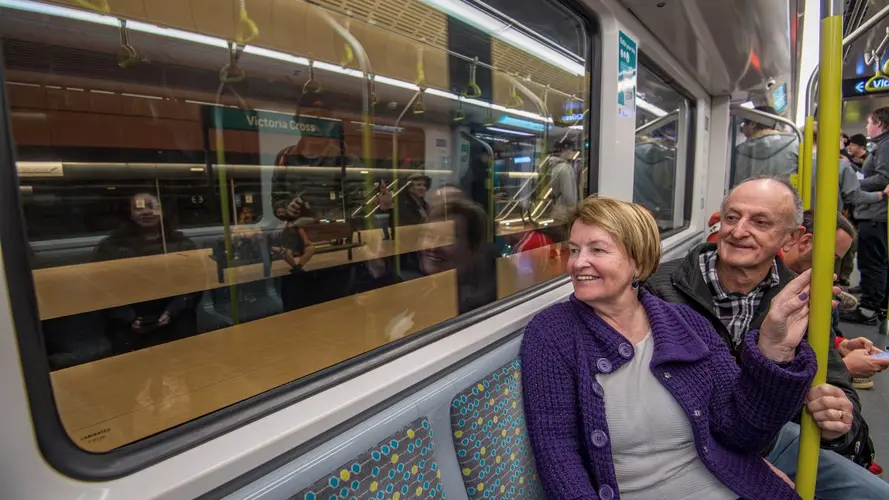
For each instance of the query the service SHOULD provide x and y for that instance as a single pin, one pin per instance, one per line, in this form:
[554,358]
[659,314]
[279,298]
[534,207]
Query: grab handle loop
[419,106]
[459,115]
[472,89]
[311,86]
[127,57]
[247,29]
[515,100]
[231,72]
[489,118]
[348,53]
[97,5]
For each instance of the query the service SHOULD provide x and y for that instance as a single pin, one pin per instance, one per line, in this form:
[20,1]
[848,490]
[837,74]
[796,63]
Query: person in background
[563,181]
[612,387]
[383,215]
[798,257]
[144,233]
[413,208]
[844,143]
[857,150]
[871,220]
[765,152]
[732,284]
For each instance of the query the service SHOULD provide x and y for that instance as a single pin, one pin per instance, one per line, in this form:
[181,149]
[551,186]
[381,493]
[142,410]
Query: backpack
[862,451]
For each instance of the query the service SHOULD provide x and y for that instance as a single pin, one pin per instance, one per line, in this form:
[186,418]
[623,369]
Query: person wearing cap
[766,151]
[857,150]
[413,208]
[564,180]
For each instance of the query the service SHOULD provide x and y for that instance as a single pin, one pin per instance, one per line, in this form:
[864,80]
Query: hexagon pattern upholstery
[491,440]
[400,467]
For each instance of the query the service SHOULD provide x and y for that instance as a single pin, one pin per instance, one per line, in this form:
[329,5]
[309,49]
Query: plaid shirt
[735,310]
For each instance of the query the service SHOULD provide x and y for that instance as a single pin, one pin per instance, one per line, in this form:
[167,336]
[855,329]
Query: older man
[731,283]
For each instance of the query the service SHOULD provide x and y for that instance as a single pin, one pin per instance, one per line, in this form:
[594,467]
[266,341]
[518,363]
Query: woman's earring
[635,283]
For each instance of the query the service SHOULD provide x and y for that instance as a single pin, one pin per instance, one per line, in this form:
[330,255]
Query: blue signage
[868,85]
[779,98]
[519,123]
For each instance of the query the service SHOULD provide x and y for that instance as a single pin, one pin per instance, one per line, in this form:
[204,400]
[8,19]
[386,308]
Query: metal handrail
[755,113]
[374,195]
[849,40]
[658,123]
[394,199]
[516,201]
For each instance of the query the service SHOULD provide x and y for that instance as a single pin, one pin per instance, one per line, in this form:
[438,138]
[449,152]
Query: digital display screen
[779,98]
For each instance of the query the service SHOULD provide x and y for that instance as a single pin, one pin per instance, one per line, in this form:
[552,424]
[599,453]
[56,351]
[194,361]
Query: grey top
[651,438]
[771,153]
[876,176]
[654,178]
[564,188]
[850,188]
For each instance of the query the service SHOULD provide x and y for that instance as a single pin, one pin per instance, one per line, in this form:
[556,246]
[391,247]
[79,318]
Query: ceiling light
[513,132]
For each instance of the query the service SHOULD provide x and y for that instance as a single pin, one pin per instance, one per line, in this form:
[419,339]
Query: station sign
[867,85]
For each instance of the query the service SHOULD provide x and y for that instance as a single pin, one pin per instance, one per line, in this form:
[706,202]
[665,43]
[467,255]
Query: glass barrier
[663,165]
[220,201]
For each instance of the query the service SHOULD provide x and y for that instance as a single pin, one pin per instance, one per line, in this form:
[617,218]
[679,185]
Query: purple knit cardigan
[734,410]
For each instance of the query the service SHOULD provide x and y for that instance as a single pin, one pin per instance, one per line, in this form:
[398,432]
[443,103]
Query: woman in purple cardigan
[627,396]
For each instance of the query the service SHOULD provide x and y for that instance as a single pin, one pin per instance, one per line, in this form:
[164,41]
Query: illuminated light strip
[651,108]
[513,132]
[520,40]
[90,17]
[506,33]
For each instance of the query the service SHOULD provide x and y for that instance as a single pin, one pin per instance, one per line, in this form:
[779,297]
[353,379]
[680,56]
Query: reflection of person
[563,181]
[144,234]
[612,378]
[383,215]
[413,208]
[292,243]
[765,152]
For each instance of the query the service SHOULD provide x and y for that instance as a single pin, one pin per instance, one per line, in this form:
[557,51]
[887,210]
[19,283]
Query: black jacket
[681,282]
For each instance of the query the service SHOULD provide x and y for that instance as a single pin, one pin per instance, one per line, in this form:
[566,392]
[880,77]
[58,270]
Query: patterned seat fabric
[491,441]
[401,466]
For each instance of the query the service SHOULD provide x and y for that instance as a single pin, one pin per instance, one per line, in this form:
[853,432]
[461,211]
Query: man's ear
[794,237]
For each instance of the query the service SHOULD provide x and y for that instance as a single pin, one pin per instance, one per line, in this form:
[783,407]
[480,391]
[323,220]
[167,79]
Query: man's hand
[862,364]
[846,346]
[831,410]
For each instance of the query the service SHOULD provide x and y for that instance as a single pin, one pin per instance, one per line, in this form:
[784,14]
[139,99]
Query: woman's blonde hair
[631,226]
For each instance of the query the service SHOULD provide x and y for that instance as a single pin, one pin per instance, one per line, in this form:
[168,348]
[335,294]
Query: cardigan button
[606,492]
[625,350]
[600,439]
[598,390]
[603,365]
[667,375]
[697,413]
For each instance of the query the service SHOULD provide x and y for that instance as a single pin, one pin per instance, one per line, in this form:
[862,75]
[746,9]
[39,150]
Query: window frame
[688,117]
[57,446]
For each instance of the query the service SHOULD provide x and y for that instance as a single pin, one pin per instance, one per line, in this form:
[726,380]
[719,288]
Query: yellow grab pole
[805,163]
[827,185]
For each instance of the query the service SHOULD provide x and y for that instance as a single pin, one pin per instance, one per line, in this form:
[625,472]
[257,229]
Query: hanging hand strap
[246,30]
[96,5]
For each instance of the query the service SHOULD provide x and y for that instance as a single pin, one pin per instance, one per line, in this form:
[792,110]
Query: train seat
[491,440]
[255,299]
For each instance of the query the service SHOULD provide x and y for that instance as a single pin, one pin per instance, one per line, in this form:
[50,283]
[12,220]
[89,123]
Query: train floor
[875,401]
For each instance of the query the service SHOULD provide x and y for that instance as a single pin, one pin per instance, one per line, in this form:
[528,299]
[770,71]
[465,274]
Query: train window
[222,200]
[761,147]
[664,152]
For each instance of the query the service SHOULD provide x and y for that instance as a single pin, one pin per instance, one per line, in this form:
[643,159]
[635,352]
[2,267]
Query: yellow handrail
[827,185]
[805,170]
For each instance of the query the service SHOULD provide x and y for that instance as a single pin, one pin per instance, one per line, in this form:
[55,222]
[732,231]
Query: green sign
[264,121]
[626,75]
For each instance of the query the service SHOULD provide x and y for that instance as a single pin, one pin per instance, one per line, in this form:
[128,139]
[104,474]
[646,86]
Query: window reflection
[662,173]
[230,217]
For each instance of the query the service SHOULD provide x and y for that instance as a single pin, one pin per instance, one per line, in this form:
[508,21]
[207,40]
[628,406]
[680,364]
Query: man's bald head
[776,189]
